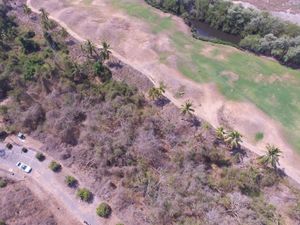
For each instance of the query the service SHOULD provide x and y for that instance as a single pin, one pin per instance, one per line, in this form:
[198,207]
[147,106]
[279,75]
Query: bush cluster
[3,183]
[40,156]
[70,181]
[84,194]
[103,210]
[55,166]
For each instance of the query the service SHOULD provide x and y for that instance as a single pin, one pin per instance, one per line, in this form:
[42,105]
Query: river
[202,29]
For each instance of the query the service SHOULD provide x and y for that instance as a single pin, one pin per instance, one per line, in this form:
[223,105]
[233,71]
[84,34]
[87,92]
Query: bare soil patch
[20,206]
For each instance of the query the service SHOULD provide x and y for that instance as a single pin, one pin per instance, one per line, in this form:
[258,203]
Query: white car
[24,167]
[21,136]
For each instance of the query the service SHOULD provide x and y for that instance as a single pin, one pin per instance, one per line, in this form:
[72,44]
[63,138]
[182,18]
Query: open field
[246,92]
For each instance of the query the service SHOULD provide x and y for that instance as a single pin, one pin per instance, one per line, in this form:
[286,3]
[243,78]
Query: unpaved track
[46,184]
[136,46]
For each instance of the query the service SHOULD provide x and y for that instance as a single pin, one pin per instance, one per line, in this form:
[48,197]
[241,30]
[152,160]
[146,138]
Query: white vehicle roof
[24,167]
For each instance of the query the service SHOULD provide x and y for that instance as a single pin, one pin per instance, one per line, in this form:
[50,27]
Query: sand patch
[230,76]
[275,78]
[217,52]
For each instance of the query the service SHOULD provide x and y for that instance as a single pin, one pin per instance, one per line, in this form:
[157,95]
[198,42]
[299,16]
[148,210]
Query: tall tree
[233,138]
[187,108]
[220,132]
[89,49]
[105,51]
[272,156]
[27,11]
[46,22]
[156,93]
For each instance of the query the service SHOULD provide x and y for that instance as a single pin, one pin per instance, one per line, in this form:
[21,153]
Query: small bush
[259,136]
[103,210]
[9,146]
[3,183]
[71,181]
[25,150]
[54,166]
[84,194]
[2,222]
[40,156]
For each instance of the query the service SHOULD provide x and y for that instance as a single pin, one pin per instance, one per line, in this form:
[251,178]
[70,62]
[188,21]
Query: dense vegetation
[260,32]
[152,163]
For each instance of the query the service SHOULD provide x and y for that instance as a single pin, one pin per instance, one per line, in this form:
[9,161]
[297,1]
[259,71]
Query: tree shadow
[70,42]
[194,121]
[161,102]
[239,154]
[115,65]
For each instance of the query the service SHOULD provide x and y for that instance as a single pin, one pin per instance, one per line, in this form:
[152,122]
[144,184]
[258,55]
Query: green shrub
[54,166]
[103,210]
[2,222]
[3,183]
[259,136]
[84,194]
[70,181]
[40,156]
[25,150]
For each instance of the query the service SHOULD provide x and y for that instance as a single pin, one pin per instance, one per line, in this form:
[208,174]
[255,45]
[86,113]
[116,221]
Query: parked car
[21,136]
[24,167]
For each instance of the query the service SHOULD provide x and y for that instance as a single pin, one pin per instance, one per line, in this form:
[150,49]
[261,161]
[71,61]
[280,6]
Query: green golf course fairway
[274,88]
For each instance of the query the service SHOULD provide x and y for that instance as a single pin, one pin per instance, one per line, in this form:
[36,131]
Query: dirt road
[50,187]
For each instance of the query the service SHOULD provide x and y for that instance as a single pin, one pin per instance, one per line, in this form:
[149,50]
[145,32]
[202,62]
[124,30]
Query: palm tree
[220,132]
[186,108]
[89,49]
[156,93]
[271,157]
[46,23]
[233,138]
[26,10]
[105,51]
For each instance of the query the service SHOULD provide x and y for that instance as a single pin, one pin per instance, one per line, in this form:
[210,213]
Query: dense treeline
[260,32]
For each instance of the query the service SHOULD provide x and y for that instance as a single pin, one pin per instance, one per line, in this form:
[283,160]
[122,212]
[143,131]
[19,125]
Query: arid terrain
[157,58]
[20,206]
[149,160]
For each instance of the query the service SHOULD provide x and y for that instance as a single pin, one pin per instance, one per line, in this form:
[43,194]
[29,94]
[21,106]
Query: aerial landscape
[149,112]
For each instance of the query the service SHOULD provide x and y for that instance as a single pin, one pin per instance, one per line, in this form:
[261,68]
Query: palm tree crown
[187,108]
[26,10]
[233,138]
[105,51]
[220,132]
[271,157]
[88,48]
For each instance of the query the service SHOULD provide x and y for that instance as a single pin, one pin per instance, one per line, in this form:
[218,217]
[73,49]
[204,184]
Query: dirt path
[49,185]
[136,46]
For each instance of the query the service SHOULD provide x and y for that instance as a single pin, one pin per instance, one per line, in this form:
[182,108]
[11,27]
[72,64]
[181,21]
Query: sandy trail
[134,44]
